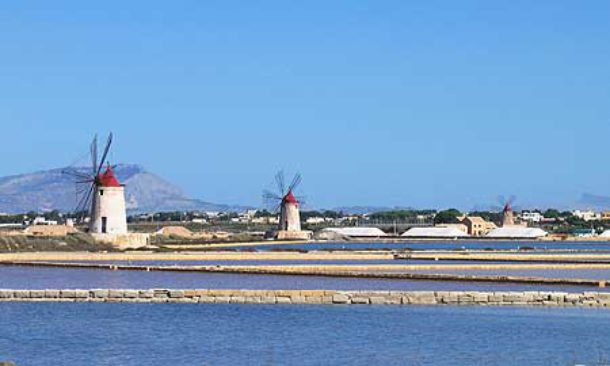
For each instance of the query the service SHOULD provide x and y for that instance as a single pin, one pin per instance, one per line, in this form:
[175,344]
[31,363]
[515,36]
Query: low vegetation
[70,243]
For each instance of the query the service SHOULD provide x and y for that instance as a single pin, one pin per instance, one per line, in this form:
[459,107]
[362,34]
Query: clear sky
[411,103]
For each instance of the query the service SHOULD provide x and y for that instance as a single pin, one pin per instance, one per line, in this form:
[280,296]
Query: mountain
[362,210]
[52,190]
[593,201]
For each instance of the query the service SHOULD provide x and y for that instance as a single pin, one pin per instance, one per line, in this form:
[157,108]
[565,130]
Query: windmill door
[104,224]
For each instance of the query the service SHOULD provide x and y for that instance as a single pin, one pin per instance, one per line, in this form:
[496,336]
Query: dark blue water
[128,334]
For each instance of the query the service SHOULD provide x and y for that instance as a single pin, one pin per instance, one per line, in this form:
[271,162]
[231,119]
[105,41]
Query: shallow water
[389,262]
[172,334]
[23,277]
[593,274]
[438,245]
[596,274]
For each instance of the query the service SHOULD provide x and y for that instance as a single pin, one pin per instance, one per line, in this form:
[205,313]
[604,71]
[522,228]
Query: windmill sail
[285,202]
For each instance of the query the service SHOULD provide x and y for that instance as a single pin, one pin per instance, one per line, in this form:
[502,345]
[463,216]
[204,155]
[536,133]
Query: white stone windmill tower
[288,206]
[103,196]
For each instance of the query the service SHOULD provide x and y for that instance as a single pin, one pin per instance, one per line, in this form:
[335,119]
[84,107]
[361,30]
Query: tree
[552,213]
[332,214]
[449,216]
[53,215]
[577,222]
[400,214]
[263,213]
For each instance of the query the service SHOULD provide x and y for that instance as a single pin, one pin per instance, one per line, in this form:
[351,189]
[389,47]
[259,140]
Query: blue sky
[411,103]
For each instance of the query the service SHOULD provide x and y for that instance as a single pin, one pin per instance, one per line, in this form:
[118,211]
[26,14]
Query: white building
[532,216]
[249,214]
[266,220]
[588,215]
[316,220]
[42,221]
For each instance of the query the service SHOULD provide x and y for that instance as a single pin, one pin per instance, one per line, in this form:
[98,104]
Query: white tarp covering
[517,232]
[360,232]
[434,232]
[605,234]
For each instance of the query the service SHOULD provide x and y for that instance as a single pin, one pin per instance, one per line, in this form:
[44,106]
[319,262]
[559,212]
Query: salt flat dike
[312,297]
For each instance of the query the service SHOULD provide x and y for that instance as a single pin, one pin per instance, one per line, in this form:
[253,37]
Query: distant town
[450,223]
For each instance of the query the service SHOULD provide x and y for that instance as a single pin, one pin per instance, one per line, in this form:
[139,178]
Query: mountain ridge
[52,189]
[594,201]
[47,190]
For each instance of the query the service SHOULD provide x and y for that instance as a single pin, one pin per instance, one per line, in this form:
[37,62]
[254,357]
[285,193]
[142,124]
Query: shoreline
[191,256]
[391,240]
[311,297]
[321,255]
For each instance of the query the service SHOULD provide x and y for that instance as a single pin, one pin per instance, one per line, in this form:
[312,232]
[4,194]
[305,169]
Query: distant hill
[593,201]
[52,190]
[361,210]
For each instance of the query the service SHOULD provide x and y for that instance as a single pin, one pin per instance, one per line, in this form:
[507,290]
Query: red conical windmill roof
[289,198]
[108,179]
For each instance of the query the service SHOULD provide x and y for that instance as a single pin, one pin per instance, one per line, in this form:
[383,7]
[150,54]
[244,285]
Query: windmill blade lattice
[94,155]
[504,202]
[86,179]
[273,200]
[104,156]
[295,183]
[280,180]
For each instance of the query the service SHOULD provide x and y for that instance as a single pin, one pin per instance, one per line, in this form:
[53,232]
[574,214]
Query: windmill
[285,202]
[102,196]
[508,217]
